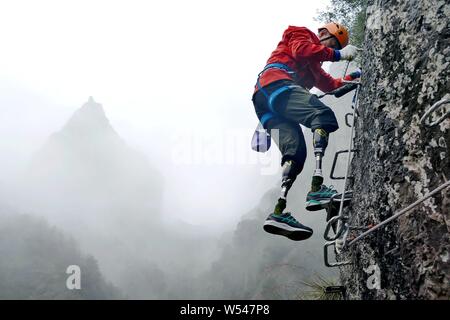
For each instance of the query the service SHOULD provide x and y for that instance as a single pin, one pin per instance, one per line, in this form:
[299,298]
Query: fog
[165,68]
[150,185]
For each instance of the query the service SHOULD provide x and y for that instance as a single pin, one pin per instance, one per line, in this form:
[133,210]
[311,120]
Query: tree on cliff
[351,13]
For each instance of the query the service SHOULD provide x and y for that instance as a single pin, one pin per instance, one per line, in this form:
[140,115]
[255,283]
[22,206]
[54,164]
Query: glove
[355,74]
[352,76]
[348,53]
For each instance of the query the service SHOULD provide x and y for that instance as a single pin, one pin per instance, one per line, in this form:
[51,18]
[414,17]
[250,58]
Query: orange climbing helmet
[338,31]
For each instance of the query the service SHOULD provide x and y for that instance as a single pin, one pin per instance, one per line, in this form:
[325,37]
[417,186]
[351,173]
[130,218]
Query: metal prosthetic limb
[320,142]
[290,172]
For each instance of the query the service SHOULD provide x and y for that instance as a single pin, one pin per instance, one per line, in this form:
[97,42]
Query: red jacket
[301,50]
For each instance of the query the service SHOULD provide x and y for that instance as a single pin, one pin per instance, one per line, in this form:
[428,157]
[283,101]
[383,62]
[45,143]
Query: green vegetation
[316,289]
[351,13]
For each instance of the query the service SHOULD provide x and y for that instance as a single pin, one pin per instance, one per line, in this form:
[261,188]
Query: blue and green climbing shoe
[286,225]
[319,199]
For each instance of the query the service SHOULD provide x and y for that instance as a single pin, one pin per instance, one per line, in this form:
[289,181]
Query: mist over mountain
[86,181]
[87,167]
[35,257]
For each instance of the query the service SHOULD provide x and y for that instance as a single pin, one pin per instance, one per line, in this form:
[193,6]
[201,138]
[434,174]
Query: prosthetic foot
[320,195]
[284,223]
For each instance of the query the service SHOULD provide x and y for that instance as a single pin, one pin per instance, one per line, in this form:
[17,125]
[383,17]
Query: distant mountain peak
[90,116]
[92,106]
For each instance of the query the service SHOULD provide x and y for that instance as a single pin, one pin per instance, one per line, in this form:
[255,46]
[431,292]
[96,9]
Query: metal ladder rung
[333,166]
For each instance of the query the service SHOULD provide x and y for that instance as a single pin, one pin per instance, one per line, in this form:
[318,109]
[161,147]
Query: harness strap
[280,66]
[277,92]
[266,117]
[271,98]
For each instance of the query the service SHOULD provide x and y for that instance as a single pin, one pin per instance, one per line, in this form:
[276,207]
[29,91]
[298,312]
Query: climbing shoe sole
[293,233]
[315,205]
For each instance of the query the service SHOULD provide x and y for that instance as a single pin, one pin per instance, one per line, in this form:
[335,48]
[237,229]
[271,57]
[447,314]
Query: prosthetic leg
[320,142]
[319,196]
[290,172]
[283,223]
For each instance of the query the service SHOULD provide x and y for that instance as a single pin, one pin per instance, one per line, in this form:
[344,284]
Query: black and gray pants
[294,107]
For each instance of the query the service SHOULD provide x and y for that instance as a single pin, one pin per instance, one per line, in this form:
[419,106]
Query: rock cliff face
[405,71]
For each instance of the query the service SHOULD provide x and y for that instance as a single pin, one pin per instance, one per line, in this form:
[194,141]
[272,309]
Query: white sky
[156,66]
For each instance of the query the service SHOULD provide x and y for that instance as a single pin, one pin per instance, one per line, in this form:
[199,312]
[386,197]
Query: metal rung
[333,167]
[339,232]
[350,114]
[342,290]
[333,217]
[326,260]
[335,289]
[432,109]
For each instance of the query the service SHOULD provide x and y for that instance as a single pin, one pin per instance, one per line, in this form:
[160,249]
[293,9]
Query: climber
[282,101]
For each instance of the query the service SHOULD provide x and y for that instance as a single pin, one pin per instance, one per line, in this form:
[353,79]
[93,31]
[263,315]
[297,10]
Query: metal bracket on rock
[432,109]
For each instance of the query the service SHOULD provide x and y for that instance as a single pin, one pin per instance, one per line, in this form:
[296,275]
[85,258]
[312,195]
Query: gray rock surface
[405,71]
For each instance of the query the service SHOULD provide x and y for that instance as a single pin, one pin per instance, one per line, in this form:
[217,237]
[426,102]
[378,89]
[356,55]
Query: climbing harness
[339,240]
[271,97]
[261,138]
